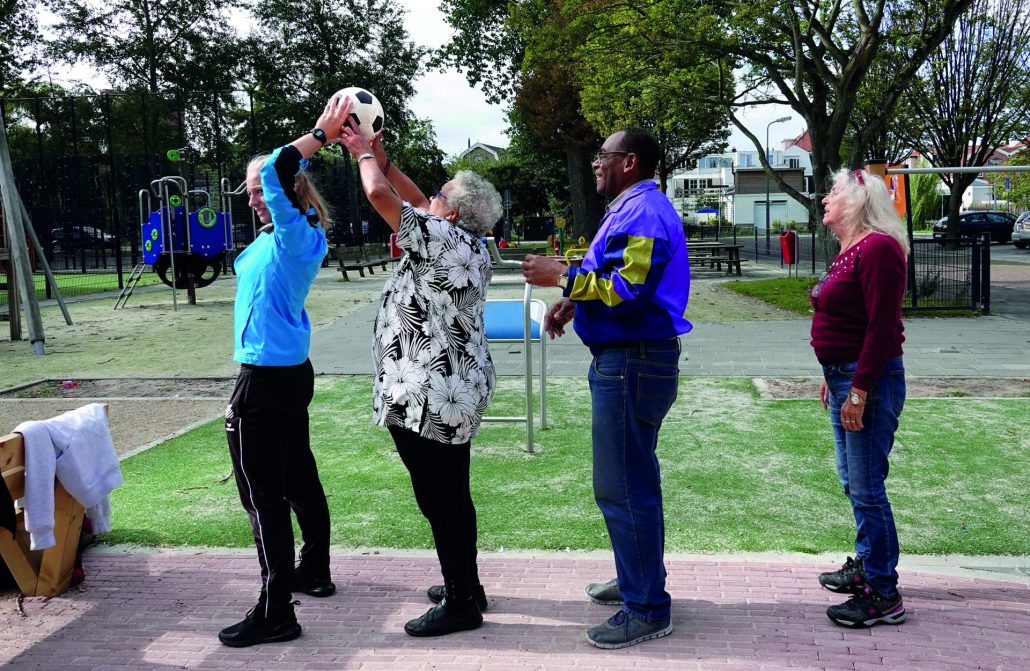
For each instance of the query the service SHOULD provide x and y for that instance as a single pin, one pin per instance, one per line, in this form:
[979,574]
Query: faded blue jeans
[632,387]
[862,466]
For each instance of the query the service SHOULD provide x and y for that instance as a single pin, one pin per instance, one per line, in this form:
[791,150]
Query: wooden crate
[42,572]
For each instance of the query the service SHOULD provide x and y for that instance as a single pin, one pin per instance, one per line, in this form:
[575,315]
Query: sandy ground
[915,387]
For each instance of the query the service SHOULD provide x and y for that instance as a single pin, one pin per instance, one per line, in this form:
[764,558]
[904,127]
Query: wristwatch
[856,398]
[563,280]
[319,135]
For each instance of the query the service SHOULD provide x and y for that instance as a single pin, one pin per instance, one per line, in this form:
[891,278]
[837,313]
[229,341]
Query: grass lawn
[789,293]
[77,284]
[739,474]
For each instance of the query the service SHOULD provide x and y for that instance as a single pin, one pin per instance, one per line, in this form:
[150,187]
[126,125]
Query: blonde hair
[867,204]
[307,194]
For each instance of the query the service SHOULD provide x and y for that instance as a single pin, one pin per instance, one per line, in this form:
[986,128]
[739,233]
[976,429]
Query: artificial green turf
[739,473]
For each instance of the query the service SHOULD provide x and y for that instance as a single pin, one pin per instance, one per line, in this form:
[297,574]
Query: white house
[713,176]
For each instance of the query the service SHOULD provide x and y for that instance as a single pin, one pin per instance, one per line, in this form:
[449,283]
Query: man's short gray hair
[477,202]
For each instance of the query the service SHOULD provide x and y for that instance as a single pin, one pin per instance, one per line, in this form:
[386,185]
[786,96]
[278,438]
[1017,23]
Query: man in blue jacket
[628,300]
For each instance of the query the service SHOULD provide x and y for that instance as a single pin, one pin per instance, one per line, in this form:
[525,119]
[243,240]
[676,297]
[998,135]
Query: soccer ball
[367,115]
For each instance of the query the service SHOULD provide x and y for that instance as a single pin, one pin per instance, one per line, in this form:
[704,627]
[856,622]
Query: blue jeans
[632,388]
[862,466]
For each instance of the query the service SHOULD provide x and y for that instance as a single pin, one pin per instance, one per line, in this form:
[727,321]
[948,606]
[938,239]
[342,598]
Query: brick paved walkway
[162,611]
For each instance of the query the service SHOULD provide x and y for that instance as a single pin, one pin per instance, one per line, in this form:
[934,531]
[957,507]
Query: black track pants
[267,427]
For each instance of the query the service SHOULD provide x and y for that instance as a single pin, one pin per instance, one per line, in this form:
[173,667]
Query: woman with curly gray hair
[434,376]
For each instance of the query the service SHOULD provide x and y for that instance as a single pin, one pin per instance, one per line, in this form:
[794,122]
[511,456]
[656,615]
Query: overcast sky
[460,113]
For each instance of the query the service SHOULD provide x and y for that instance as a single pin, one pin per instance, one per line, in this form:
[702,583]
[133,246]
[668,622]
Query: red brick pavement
[162,611]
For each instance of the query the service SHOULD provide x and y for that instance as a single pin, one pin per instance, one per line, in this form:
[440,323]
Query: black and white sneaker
[850,578]
[867,608]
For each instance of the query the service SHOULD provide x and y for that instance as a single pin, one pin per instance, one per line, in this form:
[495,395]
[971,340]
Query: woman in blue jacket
[266,422]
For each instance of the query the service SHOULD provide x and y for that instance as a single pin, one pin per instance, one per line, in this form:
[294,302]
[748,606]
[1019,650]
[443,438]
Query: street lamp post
[768,224]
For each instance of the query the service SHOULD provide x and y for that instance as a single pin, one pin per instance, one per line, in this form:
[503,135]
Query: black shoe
[310,585]
[441,620]
[867,608]
[436,594]
[255,628]
[849,579]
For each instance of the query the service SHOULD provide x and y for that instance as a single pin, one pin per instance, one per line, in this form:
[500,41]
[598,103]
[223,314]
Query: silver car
[1021,231]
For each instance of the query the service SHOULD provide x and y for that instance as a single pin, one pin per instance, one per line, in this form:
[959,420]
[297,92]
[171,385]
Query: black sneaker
[255,628]
[441,620]
[849,579]
[605,593]
[436,594]
[625,629]
[867,608]
[310,585]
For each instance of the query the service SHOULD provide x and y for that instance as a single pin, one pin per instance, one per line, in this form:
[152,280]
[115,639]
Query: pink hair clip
[857,174]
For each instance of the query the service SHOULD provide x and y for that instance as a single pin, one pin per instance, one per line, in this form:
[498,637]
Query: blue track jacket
[635,278]
[275,272]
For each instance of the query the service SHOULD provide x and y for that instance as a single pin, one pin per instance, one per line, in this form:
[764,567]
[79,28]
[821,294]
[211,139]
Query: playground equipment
[186,247]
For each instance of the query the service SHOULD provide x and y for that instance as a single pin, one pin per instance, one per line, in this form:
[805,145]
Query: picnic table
[713,254]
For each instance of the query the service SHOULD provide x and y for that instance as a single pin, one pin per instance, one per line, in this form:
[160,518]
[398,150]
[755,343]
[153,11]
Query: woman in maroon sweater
[857,335]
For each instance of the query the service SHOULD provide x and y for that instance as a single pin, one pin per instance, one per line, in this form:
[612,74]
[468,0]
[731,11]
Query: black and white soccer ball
[367,115]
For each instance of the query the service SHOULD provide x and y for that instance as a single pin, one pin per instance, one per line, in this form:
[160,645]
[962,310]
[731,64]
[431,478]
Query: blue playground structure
[184,238]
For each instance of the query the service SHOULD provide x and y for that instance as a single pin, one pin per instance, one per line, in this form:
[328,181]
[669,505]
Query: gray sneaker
[605,593]
[625,629]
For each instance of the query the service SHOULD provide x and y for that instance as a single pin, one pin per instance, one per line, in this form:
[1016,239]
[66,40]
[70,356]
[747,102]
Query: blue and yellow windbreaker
[275,272]
[635,279]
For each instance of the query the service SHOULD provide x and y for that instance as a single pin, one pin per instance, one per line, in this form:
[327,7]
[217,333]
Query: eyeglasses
[438,194]
[602,155]
[857,174]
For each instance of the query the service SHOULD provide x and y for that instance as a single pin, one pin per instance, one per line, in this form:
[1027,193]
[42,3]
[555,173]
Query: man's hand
[824,393]
[557,317]
[542,271]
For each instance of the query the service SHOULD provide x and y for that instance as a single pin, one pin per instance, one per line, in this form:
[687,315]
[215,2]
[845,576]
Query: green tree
[668,91]
[925,196]
[416,153]
[150,45]
[813,55]
[18,41]
[302,52]
[490,46]
[1014,187]
[972,95]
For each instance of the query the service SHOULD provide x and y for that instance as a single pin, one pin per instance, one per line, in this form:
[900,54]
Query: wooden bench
[714,255]
[42,572]
[362,258]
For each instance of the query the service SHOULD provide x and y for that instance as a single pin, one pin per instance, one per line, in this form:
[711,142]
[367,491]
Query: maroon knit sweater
[858,308]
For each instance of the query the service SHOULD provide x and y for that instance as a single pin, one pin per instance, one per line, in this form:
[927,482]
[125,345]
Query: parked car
[1021,231]
[80,236]
[978,222]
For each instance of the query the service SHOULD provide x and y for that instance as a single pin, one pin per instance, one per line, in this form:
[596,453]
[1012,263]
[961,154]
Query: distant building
[483,152]
[736,181]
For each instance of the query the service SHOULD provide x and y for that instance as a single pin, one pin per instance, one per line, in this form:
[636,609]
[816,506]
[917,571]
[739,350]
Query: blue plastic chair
[511,321]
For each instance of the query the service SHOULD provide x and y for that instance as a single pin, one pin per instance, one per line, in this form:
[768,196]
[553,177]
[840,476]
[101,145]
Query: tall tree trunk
[959,183]
[587,206]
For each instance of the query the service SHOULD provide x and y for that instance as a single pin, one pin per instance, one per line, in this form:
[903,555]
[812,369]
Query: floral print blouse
[434,374]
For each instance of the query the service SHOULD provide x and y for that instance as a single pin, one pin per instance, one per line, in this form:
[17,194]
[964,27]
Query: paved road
[994,346]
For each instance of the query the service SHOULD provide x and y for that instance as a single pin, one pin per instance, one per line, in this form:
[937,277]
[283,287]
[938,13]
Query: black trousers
[440,477]
[266,424]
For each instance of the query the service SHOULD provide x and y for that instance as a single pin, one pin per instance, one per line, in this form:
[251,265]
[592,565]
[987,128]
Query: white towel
[82,456]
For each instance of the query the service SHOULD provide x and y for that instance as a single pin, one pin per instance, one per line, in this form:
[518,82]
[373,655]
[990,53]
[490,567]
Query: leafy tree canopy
[150,44]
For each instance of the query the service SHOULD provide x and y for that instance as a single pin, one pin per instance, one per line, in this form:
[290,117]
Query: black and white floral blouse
[434,375]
